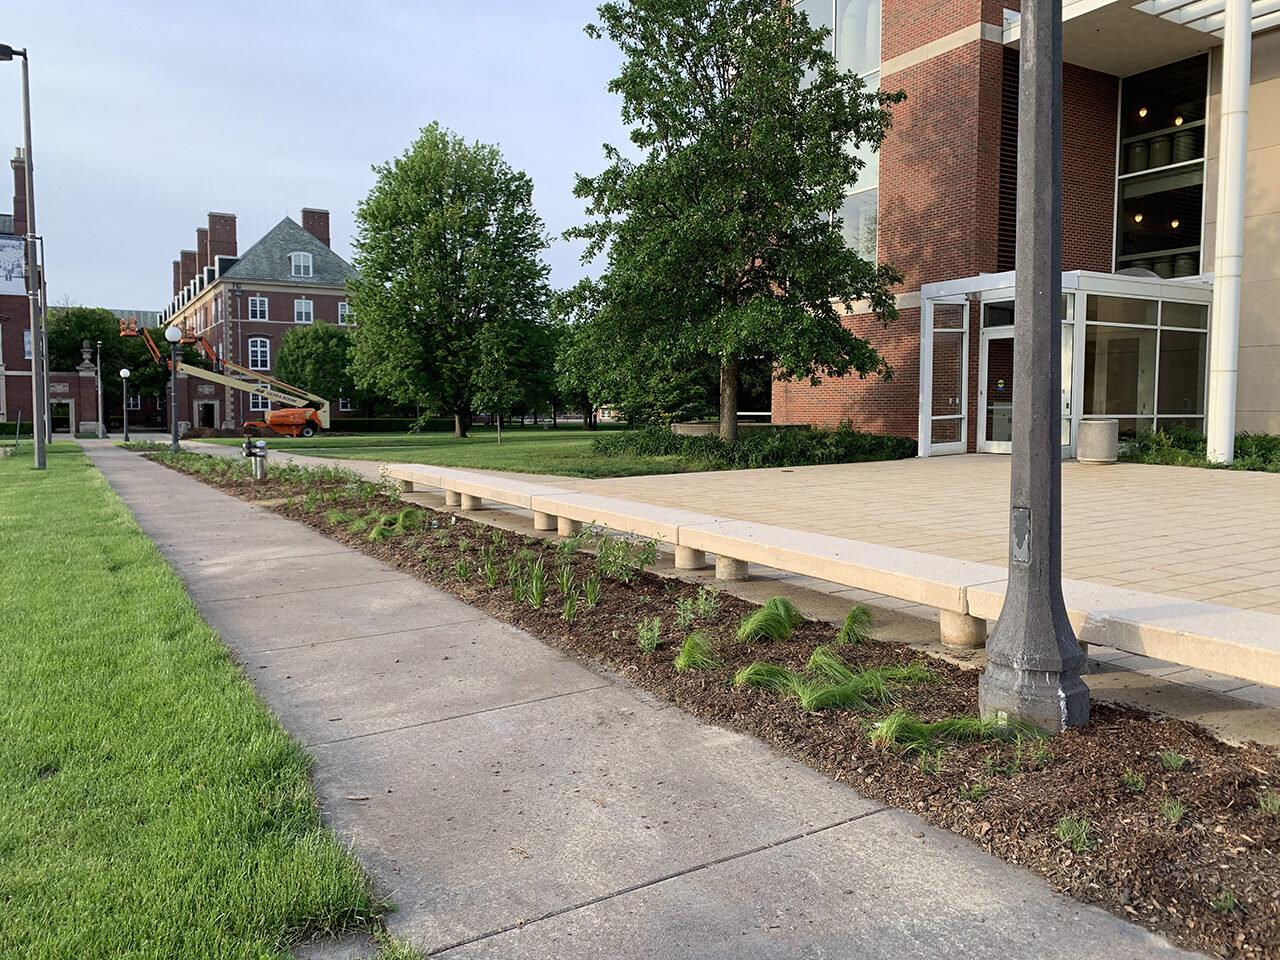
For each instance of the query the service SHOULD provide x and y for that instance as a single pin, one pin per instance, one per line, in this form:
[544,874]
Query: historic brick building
[1140,144]
[244,304]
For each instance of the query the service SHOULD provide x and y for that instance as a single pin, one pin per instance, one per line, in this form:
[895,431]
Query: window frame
[258,403]
[264,303]
[265,349]
[344,314]
[310,311]
[301,264]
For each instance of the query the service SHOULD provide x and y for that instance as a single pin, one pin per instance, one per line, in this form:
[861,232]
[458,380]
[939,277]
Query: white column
[1224,336]
[924,428]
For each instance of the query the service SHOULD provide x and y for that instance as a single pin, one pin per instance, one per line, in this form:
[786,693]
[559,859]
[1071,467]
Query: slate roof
[268,259]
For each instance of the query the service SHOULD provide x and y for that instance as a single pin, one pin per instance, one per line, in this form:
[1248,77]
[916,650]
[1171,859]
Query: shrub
[770,448]
[649,632]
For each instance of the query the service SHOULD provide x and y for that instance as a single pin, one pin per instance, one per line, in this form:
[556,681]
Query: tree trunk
[729,402]
[553,416]
[459,425]
[499,429]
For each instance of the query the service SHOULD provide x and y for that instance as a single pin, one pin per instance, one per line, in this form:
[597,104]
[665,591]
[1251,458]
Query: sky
[147,115]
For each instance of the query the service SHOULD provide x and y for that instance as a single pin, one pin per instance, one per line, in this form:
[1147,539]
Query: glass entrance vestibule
[1134,349]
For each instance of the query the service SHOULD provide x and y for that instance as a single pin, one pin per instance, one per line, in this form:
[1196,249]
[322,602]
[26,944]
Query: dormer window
[299,264]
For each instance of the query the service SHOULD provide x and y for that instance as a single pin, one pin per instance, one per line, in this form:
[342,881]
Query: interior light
[1137,218]
[1177,121]
[1174,223]
[1142,111]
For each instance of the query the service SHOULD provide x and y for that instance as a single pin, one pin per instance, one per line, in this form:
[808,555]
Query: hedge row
[771,448]
[388,424]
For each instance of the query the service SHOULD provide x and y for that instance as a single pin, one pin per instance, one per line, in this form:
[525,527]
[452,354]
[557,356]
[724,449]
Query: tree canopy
[317,358]
[449,250]
[69,327]
[721,240]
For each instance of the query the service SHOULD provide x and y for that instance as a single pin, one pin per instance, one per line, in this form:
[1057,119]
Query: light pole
[1034,661]
[97,382]
[40,413]
[124,382]
[174,336]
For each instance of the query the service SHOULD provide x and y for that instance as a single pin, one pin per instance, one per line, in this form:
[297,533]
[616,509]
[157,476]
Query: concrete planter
[704,428]
[1098,441]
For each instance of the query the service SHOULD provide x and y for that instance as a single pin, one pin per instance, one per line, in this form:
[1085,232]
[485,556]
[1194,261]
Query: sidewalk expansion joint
[290,593]
[561,911]
[481,618]
[456,716]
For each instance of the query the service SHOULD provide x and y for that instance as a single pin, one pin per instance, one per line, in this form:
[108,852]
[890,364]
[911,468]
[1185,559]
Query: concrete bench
[1239,643]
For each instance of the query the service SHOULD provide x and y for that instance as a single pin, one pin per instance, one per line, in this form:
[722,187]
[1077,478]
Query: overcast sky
[146,115]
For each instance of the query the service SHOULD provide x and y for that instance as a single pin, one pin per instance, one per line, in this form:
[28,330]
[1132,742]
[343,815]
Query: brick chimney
[177,276]
[19,164]
[316,223]
[202,249]
[188,267]
[222,236]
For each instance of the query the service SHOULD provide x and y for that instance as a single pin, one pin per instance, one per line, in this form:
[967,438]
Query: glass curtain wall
[1160,185]
[855,42]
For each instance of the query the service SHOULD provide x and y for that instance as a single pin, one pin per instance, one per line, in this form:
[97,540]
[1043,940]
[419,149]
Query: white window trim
[310,311]
[265,349]
[345,405]
[301,264]
[344,314]
[134,402]
[258,403]
[262,301]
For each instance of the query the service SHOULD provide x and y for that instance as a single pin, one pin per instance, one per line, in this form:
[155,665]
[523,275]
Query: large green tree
[721,241]
[448,247]
[317,358]
[69,327]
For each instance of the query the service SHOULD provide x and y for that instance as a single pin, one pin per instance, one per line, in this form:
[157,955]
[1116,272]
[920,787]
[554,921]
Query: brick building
[1142,110]
[244,304]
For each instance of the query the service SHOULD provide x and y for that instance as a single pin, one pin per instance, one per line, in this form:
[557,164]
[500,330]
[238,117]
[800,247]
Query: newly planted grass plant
[462,570]
[767,676]
[1132,780]
[1173,810]
[774,621]
[537,584]
[1225,902]
[591,591]
[570,610]
[974,792]
[490,572]
[696,653]
[1269,802]
[564,580]
[1172,760]
[857,626]
[1076,832]
[905,732]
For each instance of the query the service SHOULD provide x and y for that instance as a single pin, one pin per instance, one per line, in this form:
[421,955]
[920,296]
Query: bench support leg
[406,486]
[471,503]
[729,569]
[962,630]
[566,527]
[543,521]
[452,498]
[688,558]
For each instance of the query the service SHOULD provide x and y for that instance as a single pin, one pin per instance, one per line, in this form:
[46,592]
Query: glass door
[995,391]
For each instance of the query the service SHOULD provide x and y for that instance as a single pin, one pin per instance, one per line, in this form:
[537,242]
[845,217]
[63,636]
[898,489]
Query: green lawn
[150,806]
[563,452]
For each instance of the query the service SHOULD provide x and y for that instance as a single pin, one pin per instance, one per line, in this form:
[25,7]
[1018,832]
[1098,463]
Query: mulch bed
[1172,877]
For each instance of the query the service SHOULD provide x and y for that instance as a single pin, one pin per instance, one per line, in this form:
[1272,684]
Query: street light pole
[174,336]
[124,382]
[97,381]
[39,410]
[1034,661]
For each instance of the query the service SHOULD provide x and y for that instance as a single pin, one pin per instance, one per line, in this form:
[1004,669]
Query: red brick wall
[1090,102]
[187,266]
[908,24]
[202,249]
[222,236]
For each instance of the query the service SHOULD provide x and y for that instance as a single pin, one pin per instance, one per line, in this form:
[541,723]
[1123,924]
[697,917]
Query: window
[855,43]
[345,405]
[259,353]
[302,311]
[134,402]
[257,402]
[257,308]
[344,313]
[299,264]
[1160,184]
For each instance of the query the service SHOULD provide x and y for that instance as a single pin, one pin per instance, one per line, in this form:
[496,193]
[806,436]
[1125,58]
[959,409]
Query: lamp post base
[1051,701]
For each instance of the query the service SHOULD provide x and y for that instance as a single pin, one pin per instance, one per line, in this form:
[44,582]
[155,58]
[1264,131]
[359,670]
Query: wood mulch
[1209,880]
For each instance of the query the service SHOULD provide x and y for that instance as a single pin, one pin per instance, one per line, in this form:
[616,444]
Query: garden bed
[1153,819]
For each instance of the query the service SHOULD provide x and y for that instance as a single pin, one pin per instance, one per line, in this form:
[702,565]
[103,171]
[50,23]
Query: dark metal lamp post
[124,382]
[39,396]
[1034,661]
[174,336]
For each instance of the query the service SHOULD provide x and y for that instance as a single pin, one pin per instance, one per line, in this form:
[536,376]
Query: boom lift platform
[303,413]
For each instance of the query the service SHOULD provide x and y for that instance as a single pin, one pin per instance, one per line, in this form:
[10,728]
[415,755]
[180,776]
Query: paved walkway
[515,803]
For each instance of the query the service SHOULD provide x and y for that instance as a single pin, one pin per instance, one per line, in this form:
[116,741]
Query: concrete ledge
[937,582]
[1205,636]
[514,493]
[626,516]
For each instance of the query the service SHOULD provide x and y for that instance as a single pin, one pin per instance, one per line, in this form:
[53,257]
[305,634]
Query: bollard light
[174,336]
[124,382]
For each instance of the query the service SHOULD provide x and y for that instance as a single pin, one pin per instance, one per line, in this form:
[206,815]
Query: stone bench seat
[1227,640]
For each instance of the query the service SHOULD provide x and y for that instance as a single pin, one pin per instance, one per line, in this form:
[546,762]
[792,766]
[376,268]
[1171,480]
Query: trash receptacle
[1098,441]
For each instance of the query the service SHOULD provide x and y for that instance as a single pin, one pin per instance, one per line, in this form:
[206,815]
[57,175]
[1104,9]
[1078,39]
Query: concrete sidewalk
[515,803]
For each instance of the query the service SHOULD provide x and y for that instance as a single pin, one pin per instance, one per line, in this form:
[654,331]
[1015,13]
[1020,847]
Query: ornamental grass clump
[696,653]
[767,676]
[774,621]
[905,732]
[857,626]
